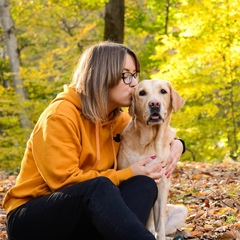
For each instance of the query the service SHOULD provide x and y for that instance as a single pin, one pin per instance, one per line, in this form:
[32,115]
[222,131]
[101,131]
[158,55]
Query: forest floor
[211,192]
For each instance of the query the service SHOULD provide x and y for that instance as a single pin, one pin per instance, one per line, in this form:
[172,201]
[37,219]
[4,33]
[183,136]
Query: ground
[211,192]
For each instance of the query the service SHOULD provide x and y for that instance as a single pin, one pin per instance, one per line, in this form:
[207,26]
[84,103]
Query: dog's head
[154,100]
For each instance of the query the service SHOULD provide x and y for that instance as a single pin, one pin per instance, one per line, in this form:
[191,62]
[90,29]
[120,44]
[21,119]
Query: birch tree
[12,51]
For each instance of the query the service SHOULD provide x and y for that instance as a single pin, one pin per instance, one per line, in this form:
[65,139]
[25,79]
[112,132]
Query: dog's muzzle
[155,116]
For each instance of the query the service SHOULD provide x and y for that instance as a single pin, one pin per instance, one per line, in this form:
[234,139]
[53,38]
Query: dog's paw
[178,238]
[176,216]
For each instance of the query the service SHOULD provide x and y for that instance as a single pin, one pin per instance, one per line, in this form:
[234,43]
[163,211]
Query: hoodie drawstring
[114,151]
[98,147]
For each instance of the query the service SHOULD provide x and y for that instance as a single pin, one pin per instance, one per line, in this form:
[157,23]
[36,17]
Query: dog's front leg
[151,224]
[160,208]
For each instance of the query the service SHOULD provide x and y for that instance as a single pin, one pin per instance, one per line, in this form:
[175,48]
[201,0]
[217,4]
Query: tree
[12,50]
[200,55]
[114,21]
[48,49]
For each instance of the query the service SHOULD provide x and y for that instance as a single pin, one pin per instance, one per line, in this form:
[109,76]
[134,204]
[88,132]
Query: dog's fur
[149,134]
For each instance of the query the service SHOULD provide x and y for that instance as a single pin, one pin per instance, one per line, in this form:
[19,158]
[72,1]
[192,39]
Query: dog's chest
[139,143]
[155,149]
[131,152]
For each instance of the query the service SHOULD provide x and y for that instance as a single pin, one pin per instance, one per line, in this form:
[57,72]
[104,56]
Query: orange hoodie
[66,148]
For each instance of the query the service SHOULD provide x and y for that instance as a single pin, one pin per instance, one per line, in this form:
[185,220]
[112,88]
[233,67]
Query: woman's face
[121,95]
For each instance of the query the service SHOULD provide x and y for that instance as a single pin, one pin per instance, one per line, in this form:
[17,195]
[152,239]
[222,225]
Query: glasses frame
[130,77]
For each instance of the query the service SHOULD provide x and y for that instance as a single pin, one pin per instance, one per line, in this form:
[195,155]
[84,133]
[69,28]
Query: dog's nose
[154,104]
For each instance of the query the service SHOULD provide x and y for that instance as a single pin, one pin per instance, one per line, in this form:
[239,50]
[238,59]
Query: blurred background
[194,44]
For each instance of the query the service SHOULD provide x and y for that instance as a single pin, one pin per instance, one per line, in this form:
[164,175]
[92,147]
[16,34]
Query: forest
[194,44]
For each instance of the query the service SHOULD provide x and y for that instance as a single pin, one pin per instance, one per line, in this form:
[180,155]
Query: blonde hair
[99,69]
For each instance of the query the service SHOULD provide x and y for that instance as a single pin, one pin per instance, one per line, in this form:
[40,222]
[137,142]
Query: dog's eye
[163,91]
[142,93]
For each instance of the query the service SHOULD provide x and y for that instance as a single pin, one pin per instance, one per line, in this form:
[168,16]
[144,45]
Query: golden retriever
[149,134]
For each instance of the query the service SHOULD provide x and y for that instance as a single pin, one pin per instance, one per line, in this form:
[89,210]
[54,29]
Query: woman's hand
[153,171]
[176,150]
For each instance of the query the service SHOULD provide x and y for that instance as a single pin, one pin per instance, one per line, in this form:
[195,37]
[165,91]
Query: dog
[148,133]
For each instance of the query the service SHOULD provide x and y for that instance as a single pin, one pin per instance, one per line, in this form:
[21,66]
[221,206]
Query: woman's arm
[176,150]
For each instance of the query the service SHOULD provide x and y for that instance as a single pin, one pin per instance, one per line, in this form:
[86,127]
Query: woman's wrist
[183,143]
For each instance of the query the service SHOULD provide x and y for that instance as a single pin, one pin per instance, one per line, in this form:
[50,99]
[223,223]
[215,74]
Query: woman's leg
[73,211]
[54,216]
[139,193]
[113,218]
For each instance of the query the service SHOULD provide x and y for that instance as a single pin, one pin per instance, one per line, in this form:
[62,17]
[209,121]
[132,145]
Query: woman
[69,186]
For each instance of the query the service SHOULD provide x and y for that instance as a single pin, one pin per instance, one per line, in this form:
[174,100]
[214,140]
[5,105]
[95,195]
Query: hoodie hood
[69,94]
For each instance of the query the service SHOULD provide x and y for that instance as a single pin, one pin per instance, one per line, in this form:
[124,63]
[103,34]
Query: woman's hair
[99,69]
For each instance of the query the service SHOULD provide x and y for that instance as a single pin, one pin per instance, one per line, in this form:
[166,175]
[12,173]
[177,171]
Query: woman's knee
[142,184]
[87,186]
[146,182]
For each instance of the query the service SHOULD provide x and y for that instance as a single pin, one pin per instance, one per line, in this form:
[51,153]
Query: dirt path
[211,192]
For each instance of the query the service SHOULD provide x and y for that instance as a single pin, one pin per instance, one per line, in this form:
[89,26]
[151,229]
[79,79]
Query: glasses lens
[127,77]
[136,75]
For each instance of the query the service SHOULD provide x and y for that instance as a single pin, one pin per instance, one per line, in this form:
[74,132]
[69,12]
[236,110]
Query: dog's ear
[131,108]
[177,101]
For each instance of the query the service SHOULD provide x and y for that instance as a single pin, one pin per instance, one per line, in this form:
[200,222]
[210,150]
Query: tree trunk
[167,17]
[11,44]
[114,21]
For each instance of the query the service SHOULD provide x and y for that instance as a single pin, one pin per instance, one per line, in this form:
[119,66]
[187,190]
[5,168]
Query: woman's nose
[134,82]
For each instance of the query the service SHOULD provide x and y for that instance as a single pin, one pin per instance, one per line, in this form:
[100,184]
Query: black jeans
[93,209]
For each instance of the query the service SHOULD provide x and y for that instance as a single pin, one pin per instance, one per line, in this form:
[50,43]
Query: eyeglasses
[127,77]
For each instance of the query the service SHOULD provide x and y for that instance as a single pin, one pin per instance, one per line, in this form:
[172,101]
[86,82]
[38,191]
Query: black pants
[93,209]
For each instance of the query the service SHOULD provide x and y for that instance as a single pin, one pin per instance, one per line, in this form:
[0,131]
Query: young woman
[69,186]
